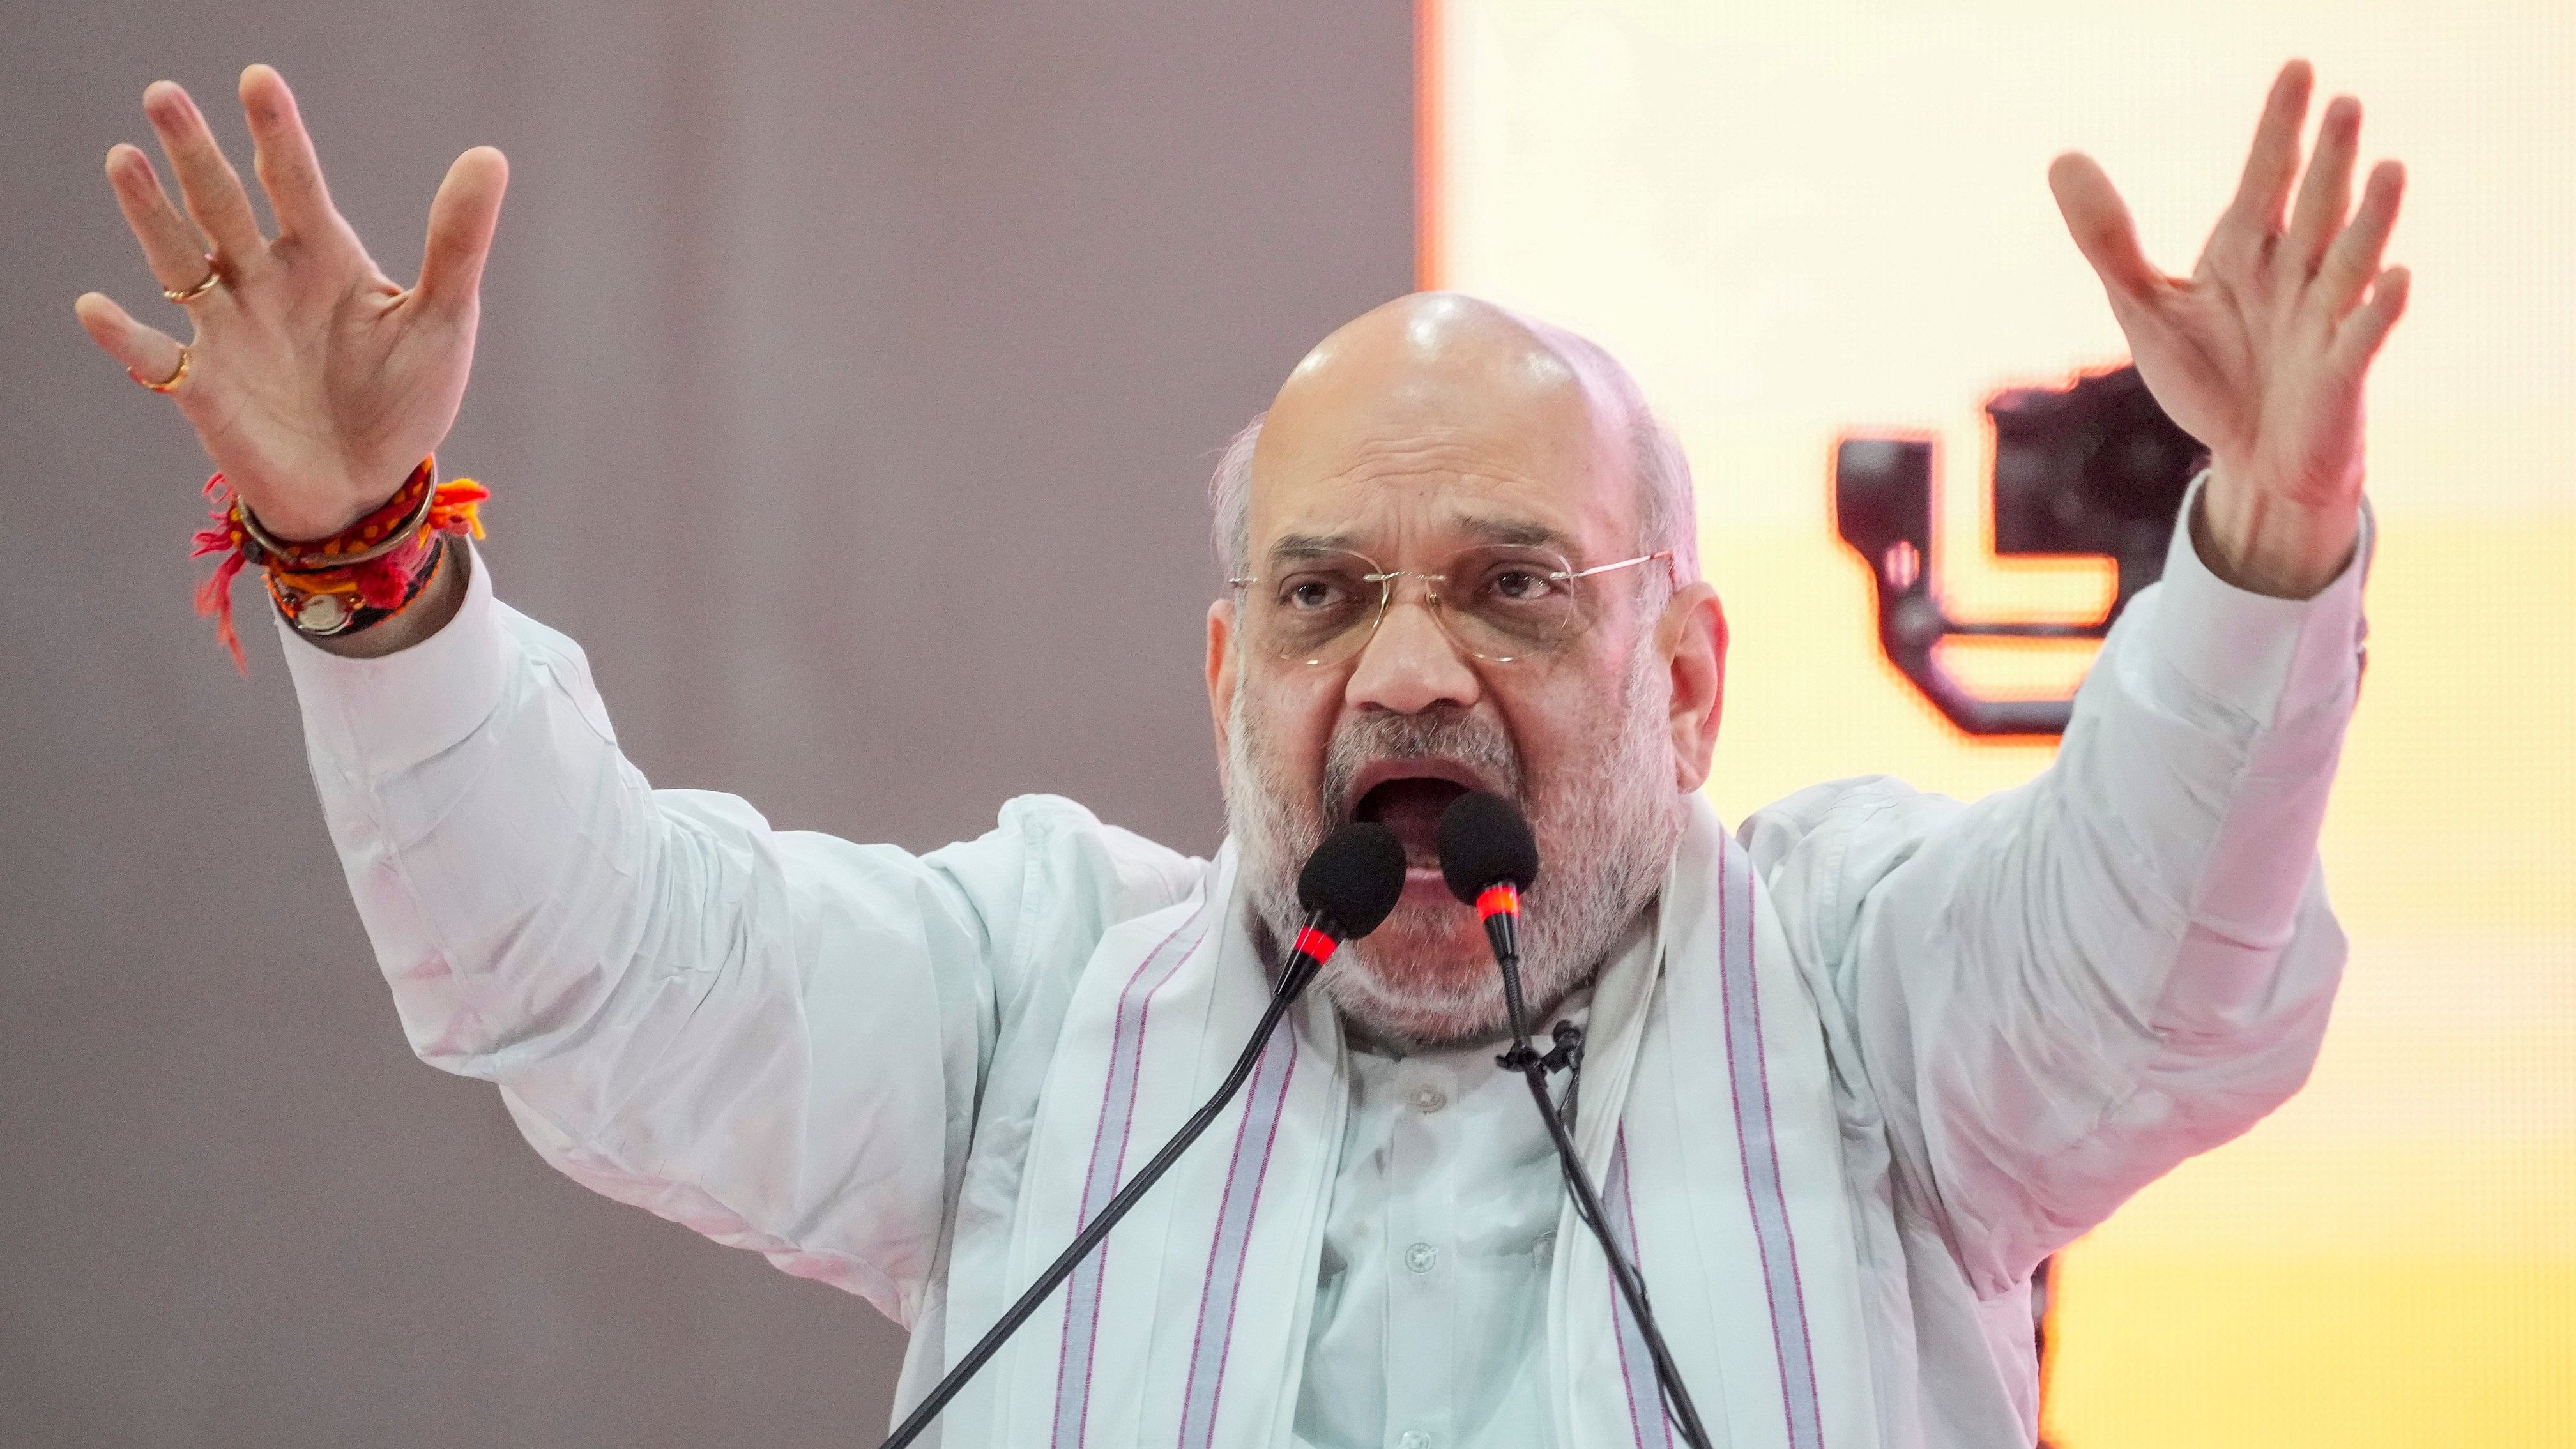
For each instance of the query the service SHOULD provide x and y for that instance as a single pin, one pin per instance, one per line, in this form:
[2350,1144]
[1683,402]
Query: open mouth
[1411,808]
[1407,797]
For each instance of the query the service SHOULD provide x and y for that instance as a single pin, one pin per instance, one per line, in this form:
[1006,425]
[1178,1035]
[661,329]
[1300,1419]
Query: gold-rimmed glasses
[1498,602]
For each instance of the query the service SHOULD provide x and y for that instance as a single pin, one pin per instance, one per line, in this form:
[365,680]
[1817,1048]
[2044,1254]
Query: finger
[282,152]
[2368,326]
[2354,258]
[207,182]
[2326,194]
[2271,164]
[461,219]
[147,352]
[2102,229]
[172,245]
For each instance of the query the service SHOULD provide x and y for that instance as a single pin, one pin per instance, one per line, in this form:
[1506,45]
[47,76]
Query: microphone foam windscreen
[1355,877]
[1483,839]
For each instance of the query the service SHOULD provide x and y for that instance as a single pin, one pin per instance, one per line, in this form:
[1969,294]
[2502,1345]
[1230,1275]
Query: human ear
[1220,675]
[1691,636]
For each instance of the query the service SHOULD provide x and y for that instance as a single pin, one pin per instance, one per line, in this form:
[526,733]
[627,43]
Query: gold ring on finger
[214,279]
[185,354]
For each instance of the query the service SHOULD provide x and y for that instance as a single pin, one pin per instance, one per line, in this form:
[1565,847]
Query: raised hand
[315,383]
[2260,353]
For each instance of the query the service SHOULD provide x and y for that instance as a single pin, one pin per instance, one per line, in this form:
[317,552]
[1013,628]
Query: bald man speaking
[1852,1069]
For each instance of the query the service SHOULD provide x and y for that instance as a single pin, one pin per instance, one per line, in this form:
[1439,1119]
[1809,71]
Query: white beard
[1606,830]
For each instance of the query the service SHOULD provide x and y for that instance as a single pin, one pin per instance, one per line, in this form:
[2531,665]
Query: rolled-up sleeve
[773,1037]
[2061,991]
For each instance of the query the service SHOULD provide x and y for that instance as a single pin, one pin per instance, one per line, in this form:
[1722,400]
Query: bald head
[1440,366]
[1438,388]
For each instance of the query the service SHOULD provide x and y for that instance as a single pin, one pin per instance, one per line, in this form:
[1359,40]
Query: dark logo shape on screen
[2094,468]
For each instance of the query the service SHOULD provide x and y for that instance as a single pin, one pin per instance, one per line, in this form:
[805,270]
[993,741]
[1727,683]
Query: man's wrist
[2262,655]
[2263,542]
[425,614]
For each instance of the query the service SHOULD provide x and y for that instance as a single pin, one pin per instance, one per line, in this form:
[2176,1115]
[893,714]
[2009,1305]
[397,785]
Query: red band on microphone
[1311,942]
[1502,899]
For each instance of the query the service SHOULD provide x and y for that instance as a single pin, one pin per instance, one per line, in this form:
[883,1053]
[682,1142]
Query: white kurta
[1430,1317]
[1880,1055]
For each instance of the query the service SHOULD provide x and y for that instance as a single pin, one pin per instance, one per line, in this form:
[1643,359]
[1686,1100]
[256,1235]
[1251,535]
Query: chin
[1425,978]
[1437,943]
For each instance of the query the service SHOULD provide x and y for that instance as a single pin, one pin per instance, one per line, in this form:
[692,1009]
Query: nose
[1410,664]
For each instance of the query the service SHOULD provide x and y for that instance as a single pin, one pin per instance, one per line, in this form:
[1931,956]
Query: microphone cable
[1488,857]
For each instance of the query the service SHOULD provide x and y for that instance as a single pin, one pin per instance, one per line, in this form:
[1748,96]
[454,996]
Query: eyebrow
[1518,535]
[1484,530]
[1307,545]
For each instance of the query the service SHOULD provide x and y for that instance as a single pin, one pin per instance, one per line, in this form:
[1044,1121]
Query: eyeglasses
[1500,602]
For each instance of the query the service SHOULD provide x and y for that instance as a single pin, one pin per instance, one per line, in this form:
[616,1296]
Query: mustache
[1441,732]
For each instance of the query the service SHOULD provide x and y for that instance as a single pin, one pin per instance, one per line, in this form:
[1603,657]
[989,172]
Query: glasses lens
[1316,608]
[1507,602]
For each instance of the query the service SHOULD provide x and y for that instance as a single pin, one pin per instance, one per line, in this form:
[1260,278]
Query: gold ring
[214,279]
[184,355]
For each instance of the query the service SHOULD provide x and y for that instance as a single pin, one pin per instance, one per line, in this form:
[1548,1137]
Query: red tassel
[215,597]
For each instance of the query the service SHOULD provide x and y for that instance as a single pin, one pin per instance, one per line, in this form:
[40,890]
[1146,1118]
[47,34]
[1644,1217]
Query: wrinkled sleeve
[2063,990]
[773,1037]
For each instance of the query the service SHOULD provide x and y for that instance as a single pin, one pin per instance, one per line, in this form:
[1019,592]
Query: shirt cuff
[2264,657]
[373,716]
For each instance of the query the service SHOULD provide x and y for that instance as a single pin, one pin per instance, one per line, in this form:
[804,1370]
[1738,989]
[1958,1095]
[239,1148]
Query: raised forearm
[672,995]
[2066,988]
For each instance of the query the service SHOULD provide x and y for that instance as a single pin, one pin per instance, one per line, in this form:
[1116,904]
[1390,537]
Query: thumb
[2100,223]
[461,219]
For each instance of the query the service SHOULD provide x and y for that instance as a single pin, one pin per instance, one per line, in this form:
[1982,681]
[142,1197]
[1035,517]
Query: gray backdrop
[849,376]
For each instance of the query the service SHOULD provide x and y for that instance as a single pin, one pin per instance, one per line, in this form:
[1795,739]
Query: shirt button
[1422,1257]
[1544,1249]
[1428,1099]
[1413,1439]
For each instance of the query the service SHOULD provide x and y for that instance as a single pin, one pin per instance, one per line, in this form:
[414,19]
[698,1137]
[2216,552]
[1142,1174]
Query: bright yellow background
[1807,219]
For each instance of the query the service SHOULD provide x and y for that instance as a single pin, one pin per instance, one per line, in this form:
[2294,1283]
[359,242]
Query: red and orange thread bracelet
[355,577]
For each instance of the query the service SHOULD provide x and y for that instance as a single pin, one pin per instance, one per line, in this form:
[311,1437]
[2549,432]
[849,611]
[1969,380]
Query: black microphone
[1348,887]
[1489,857]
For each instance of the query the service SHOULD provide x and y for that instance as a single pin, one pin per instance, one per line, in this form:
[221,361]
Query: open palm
[2261,352]
[315,383]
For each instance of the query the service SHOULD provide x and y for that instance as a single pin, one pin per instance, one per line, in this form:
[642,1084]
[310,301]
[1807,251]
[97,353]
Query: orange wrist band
[356,577]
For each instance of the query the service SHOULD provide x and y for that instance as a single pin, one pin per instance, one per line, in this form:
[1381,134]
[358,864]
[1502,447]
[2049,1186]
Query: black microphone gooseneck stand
[1300,971]
[1534,1067]
[1349,885]
[1497,898]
